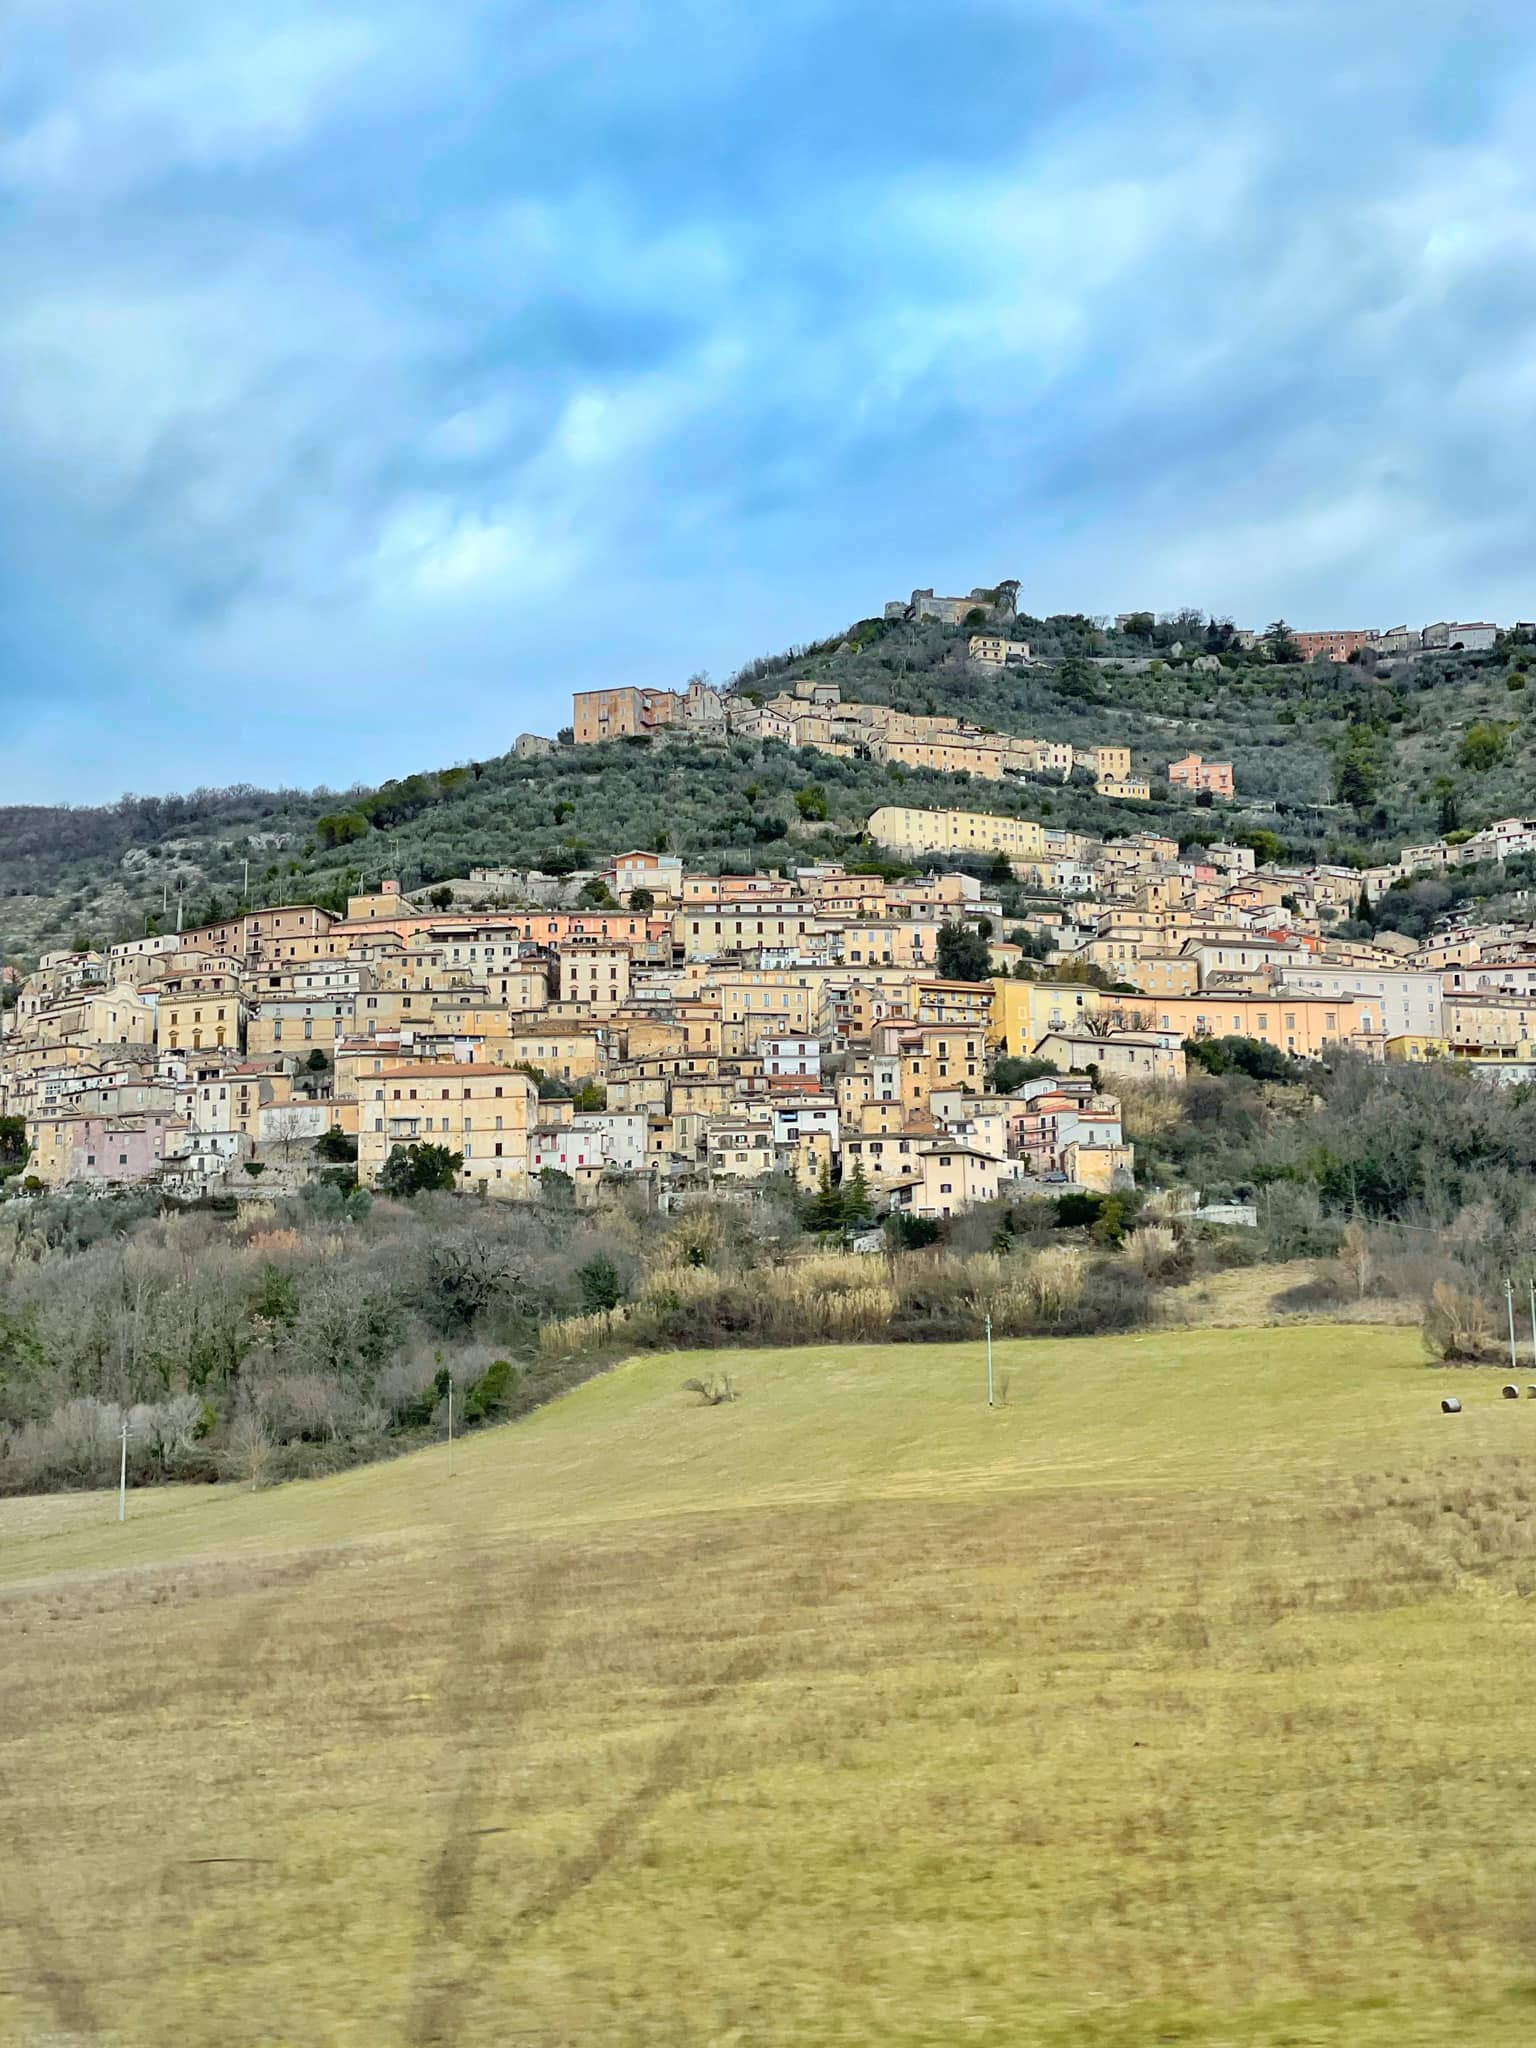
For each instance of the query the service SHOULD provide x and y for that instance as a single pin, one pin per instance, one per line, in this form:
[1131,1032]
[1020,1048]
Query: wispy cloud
[369,377]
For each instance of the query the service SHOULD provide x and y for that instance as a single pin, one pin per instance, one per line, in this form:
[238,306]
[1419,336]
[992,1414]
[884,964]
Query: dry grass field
[1181,1700]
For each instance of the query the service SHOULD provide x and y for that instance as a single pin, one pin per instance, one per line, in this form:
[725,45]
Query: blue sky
[371,376]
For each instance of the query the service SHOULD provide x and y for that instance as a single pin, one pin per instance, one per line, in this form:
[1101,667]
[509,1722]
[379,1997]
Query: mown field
[1181,1699]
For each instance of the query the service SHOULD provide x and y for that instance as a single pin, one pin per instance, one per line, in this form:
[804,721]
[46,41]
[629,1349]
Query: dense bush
[301,1335]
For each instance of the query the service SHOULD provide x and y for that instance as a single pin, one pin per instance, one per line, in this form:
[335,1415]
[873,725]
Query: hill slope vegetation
[1150,1705]
[1349,760]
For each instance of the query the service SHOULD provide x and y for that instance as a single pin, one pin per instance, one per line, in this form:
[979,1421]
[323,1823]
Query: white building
[1397,1001]
[798,1057]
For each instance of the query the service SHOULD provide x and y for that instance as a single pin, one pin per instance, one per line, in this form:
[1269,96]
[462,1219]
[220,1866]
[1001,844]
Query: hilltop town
[936,992]
[948,1029]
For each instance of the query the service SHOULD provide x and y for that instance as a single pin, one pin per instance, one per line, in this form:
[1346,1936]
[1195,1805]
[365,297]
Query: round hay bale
[1511,1393]
[1450,1407]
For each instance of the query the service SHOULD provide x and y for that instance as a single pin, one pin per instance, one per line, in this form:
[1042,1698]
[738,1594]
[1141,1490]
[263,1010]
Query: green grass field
[1183,1699]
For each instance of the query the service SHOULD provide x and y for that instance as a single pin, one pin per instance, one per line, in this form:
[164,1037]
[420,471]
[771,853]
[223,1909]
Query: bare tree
[248,1453]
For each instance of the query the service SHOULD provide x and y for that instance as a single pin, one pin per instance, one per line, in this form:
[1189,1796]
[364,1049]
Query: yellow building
[486,1112]
[563,1051]
[1111,764]
[1099,1167]
[983,757]
[1415,1049]
[931,1056]
[594,973]
[759,999]
[946,1178]
[739,1147]
[200,1013]
[954,1002]
[705,931]
[90,1017]
[298,1023]
[1024,1011]
[384,902]
[888,1154]
[907,830]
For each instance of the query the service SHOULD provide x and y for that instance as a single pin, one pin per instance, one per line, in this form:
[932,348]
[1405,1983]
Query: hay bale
[1450,1407]
[1511,1393]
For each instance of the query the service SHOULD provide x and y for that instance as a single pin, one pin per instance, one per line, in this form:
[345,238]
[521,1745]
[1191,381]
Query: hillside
[99,873]
[1149,1706]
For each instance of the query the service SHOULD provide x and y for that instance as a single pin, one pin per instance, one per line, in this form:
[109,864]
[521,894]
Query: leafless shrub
[1356,1263]
[1458,1325]
[1155,1249]
[713,1391]
[248,1452]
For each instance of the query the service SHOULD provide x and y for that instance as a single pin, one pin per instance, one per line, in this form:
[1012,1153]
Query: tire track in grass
[46,1947]
[665,1773]
[439,1979]
[23,1881]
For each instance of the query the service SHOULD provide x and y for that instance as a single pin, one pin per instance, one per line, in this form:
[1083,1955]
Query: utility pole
[122,1475]
[1509,1296]
[990,1402]
[1533,1322]
[450,1425]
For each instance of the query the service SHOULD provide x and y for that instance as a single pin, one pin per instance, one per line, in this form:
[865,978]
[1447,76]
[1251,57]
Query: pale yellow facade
[908,830]
[485,1112]
[1024,1011]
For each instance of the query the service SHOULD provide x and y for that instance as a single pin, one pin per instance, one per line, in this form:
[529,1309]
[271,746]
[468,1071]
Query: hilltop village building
[816,715]
[739,1029]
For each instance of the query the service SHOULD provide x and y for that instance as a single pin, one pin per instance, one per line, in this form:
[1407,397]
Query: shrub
[1458,1325]
[714,1391]
[488,1396]
[600,1285]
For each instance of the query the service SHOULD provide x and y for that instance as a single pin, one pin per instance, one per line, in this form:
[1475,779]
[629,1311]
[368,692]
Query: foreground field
[1179,1700]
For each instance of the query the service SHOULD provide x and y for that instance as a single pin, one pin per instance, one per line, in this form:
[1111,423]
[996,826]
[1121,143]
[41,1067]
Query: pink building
[121,1149]
[1337,643]
[1195,773]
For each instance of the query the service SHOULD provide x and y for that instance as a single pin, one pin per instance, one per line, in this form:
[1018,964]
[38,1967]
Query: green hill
[99,873]
[1170,1701]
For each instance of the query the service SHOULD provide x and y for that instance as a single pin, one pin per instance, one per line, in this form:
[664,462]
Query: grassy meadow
[1180,1699]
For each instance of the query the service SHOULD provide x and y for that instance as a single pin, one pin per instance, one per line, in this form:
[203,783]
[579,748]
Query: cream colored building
[486,1112]
[907,830]
[946,1178]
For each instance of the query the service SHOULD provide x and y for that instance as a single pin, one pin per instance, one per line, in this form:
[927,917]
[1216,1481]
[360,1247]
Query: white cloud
[220,91]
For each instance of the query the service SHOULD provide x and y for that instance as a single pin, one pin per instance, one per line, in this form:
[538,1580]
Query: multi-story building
[907,830]
[483,1111]
[1336,643]
[622,713]
[1195,774]
[992,650]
